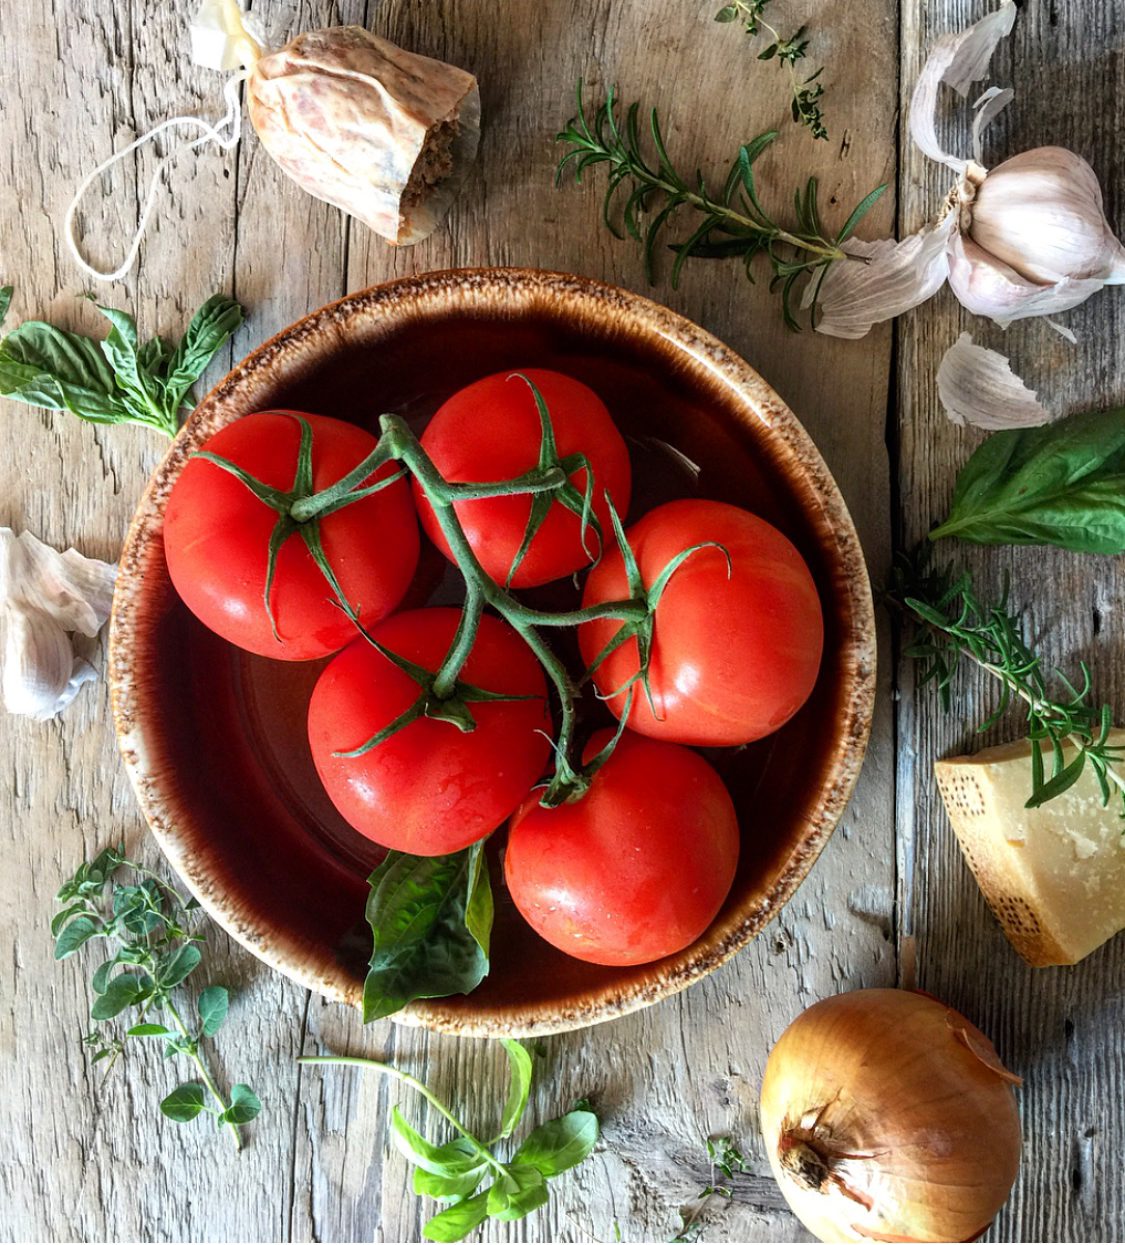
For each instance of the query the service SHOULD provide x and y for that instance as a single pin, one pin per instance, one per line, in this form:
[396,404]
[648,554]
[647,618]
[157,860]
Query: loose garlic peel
[889,1117]
[1028,238]
[978,387]
[44,595]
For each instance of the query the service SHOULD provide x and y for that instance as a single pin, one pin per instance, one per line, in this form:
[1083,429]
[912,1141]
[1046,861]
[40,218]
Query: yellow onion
[887,1116]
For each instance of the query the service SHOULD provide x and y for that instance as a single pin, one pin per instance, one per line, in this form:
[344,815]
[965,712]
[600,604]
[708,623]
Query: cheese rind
[1054,876]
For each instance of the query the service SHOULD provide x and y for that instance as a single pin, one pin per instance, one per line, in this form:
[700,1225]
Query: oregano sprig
[806,92]
[954,623]
[454,1170]
[157,951]
[726,1160]
[729,223]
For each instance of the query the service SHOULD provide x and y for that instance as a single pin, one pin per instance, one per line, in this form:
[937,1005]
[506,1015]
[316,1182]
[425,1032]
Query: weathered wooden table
[80,1160]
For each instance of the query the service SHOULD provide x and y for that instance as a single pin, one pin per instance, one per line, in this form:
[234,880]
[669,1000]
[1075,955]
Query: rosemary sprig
[807,92]
[954,623]
[733,223]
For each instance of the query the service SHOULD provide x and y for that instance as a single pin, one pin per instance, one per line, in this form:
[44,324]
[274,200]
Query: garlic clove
[892,278]
[41,674]
[986,286]
[978,387]
[1041,213]
[77,592]
[44,595]
[958,60]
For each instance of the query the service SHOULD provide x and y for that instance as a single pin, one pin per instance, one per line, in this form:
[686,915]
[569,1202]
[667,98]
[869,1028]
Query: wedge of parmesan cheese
[1054,876]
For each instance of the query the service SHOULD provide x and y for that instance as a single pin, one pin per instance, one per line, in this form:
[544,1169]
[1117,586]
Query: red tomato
[217,534]
[733,657]
[431,788]
[491,431]
[637,868]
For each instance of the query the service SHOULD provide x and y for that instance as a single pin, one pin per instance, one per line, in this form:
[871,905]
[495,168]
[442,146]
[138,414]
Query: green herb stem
[387,1069]
[192,1049]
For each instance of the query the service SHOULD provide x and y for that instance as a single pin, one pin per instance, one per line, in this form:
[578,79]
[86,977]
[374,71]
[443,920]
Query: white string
[216,133]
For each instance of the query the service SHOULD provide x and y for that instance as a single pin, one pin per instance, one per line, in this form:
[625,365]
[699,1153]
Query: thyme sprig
[806,92]
[732,222]
[955,624]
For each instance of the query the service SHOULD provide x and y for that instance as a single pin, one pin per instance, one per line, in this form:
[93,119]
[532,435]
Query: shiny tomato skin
[638,868]
[734,657]
[216,539]
[430,789]
[491,430]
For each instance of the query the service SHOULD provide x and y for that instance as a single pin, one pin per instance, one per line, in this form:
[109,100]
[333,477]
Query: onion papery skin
[887,1116]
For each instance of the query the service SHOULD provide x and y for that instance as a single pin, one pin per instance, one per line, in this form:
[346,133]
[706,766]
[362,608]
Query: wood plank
[702,1053]
[1060,1028]
[318,1168]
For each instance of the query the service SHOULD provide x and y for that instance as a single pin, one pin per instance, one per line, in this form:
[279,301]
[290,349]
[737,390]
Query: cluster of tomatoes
[639,864]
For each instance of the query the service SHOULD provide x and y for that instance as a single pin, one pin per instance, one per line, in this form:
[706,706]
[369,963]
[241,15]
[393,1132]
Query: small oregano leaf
[244,1106]
[214,1002]
[184,1104]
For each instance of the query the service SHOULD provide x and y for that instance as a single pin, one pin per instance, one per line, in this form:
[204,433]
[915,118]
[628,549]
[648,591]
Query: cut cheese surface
[1054,876]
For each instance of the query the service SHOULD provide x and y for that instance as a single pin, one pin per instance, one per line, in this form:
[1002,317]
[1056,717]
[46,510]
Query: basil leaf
[560,1144]
[518,1193]
[47,367]
[458,1221]
[449,1188]
[423,947]
[213,1004]
[210,329]
[447,1160]
[519,1057]
[5,301]
[457,1182]
[116,380]
[184,1103]
[1060,484]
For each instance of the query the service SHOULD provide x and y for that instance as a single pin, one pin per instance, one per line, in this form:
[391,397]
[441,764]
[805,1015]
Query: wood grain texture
[84,1162]
[1061,1029]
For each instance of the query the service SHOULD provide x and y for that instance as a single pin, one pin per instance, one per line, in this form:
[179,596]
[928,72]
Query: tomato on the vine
[217,539]
[491,430]
[430,788]
[735,648]
[638,867]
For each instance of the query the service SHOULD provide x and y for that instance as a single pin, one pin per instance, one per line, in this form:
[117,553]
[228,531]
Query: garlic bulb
[1041,214]
[44,595]
[1028,238]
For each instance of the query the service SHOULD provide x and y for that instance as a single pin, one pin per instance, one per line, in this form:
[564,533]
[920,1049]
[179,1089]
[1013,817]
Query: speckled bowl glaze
[214,739]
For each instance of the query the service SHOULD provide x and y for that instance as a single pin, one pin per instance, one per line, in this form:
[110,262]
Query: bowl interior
[215,738]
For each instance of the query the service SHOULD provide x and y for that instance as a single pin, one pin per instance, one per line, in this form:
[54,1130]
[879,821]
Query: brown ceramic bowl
[214,738]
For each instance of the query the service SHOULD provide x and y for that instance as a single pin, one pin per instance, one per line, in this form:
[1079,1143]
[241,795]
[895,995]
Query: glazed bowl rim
[792,444]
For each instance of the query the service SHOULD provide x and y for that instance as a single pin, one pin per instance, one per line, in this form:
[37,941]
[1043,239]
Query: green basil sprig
[117,380]
[432,918]
[455,1170]
[1060,484]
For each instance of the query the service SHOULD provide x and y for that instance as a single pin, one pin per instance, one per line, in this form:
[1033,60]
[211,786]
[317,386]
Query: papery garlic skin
[1041,214]
[44,595]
